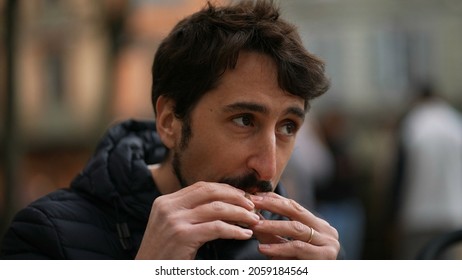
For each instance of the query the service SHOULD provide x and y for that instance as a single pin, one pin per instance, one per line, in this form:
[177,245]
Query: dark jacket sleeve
[32,235]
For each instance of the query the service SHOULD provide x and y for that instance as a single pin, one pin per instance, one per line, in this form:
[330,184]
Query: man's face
[243,131]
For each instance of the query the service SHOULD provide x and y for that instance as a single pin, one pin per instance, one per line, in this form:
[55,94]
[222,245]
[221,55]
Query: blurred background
[71,68]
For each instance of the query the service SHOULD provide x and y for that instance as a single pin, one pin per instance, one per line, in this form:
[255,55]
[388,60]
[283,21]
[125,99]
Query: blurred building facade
[77,66]
[80,65]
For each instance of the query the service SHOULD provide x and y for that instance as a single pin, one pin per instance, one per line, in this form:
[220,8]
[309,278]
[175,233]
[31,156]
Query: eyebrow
[258,108]
[296,111]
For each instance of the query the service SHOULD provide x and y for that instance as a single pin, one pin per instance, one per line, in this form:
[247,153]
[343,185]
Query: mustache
[249,183]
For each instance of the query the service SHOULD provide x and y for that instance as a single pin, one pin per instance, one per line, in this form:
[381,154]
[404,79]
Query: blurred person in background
[231,87]
[427,189]
[321,175]
[311,164]
[337,198]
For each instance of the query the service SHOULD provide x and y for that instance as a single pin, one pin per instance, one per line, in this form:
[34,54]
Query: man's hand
[304,236]
[181,222]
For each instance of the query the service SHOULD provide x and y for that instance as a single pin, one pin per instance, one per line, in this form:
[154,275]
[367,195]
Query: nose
[263,157]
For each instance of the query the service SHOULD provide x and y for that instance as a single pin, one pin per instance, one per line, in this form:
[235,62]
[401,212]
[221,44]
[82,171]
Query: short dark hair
[200,48]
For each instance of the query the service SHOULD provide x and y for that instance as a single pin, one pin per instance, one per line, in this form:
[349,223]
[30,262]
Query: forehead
[252,69]
[254,79]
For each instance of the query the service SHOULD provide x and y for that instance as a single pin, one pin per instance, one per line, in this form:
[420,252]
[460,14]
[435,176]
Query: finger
[296,250]
[295,212]
[204,192]
[266,237]
[289,229]
[220,230]
[219,210]
[283,206]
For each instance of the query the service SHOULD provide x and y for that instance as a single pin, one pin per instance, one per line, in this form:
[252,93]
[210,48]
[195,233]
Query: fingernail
[256,217]
[249,201]
[264,246]
[247,232]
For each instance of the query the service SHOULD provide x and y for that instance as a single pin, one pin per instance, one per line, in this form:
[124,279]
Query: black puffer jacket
[104,213]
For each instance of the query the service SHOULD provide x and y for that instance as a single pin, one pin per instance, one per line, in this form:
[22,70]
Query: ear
[168,125]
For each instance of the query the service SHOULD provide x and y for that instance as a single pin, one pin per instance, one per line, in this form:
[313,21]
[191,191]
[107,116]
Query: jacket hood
[118,171]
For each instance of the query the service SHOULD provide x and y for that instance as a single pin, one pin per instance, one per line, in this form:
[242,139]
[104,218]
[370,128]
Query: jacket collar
[118,171]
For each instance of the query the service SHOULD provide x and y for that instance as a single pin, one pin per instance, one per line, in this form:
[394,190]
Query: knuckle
[160,207]
[336,245]
[331,250]
[176,230]
[217,206]
[335,233]
[298,226]
[217,227]
[206,188]
[332,231]
[295,205]
[331,253]
[324,225]
[200,185]
[298,245]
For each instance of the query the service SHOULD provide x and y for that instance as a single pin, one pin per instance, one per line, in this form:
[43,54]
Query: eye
[244,120]
[288,129]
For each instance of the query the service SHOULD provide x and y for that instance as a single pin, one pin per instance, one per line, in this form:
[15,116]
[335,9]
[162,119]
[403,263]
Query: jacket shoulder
[60,225]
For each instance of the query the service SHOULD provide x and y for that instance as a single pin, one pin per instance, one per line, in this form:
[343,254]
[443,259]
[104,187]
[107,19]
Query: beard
[248,182]
[186,134]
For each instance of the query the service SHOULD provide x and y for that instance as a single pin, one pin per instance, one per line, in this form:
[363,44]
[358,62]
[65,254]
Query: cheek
[283,158]
[286,153]
[210,158]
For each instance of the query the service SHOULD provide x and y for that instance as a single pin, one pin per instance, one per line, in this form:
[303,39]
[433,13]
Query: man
[231,86]
[427,180]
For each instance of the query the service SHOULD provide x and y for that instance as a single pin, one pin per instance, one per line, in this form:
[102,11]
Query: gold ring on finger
[311,235]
